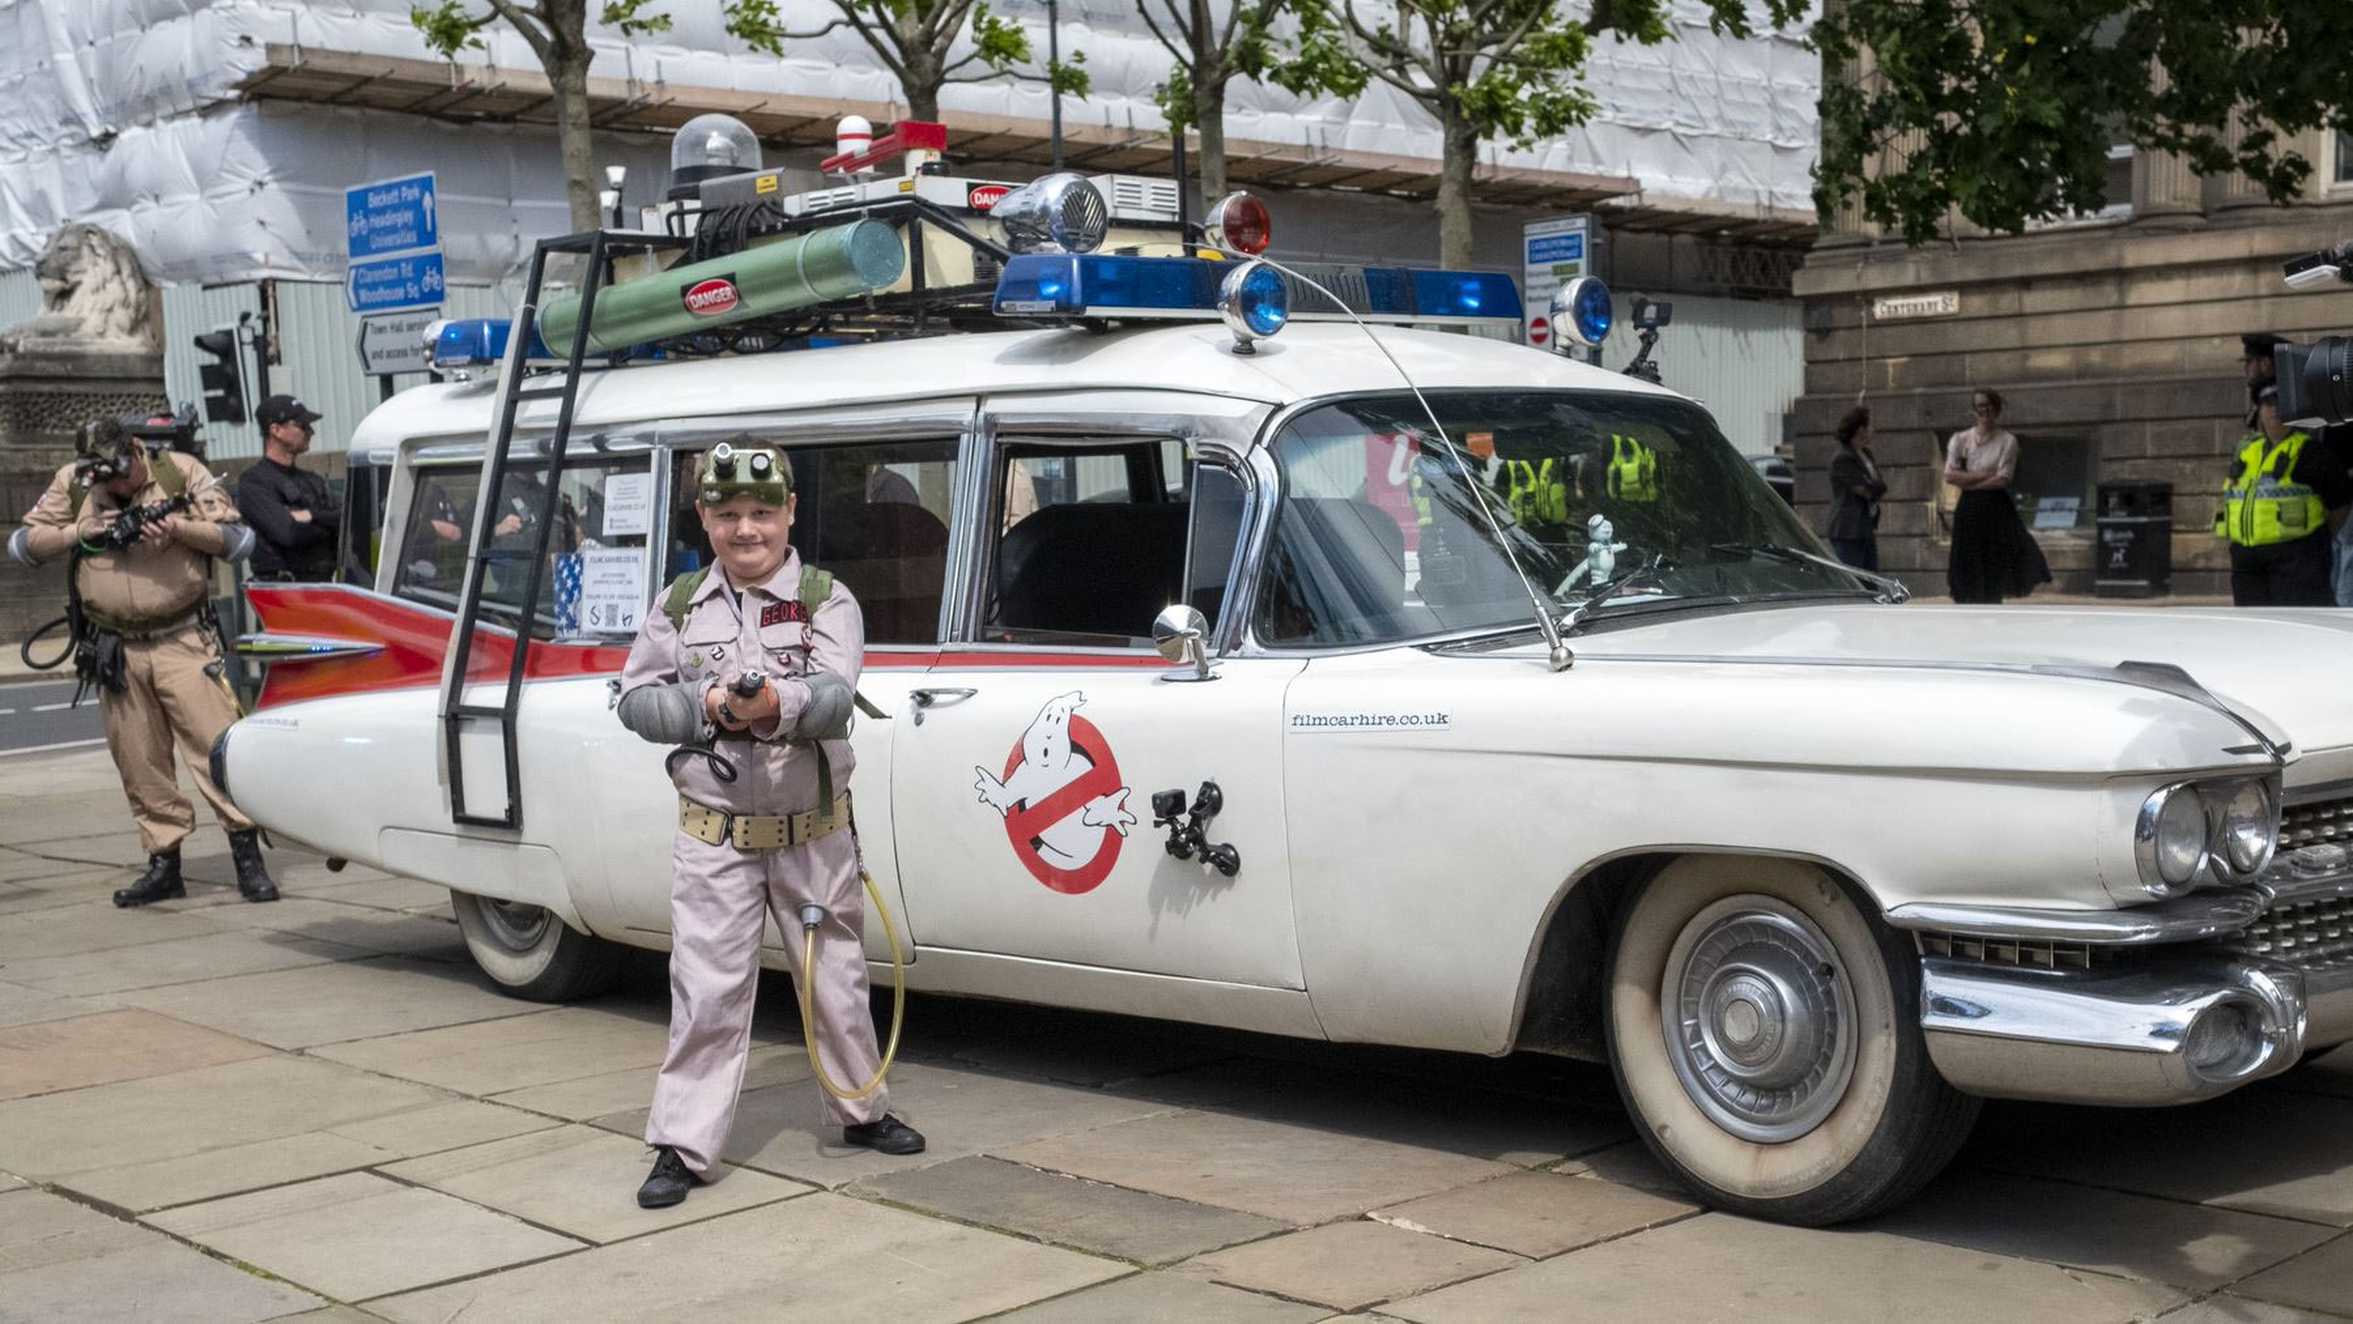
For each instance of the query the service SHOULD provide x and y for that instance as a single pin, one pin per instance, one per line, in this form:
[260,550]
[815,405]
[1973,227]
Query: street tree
[916,40]
[557,32]
[1307,59]
[2003,111]
[1505,69]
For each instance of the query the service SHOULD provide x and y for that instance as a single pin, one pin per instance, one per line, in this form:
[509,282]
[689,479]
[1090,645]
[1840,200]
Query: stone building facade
[2114,341]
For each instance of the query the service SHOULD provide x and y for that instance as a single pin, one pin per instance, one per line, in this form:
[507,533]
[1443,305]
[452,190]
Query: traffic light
[223,378]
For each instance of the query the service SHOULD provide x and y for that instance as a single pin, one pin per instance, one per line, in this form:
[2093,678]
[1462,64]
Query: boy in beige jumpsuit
[148,597]
[765,841]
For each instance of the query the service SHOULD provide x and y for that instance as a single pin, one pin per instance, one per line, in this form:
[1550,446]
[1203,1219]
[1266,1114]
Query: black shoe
[668,1183]
[161,882]
[887,1136]
[252,879]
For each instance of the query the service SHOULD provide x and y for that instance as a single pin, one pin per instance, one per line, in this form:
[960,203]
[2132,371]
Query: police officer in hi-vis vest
[143,639]
[2280,509]
[764,826]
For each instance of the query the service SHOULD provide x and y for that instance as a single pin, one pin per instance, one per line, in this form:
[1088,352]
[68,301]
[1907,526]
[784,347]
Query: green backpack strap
[816,587]
[680,595]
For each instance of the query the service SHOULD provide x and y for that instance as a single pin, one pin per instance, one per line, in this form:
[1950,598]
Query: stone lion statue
[93,296]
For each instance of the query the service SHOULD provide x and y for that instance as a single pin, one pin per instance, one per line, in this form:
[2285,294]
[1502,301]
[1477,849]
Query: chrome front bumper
[2156,1005]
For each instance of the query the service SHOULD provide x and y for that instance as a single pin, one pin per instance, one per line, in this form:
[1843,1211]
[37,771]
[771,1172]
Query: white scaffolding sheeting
[122,112]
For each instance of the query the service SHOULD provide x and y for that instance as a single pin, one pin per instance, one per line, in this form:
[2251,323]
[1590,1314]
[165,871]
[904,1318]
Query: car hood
[2286,671]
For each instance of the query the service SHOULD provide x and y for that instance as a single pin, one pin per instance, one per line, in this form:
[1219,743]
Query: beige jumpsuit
[719,894]
[150,595]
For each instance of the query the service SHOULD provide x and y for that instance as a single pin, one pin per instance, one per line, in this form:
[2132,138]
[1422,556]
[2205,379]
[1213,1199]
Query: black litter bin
[2135,523]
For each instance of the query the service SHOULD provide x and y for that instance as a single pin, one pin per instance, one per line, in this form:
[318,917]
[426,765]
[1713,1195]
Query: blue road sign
[391,216]
[389,284]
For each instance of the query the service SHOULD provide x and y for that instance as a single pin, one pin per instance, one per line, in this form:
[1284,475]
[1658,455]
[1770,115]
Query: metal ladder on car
[515,390]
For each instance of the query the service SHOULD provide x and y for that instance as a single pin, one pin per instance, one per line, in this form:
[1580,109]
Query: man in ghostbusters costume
[144,639]
[773,838]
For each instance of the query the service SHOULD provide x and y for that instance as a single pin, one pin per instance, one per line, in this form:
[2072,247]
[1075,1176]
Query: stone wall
[2124,336]
[44,397]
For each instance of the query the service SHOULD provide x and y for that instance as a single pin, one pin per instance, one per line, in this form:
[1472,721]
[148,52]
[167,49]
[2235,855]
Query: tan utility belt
[141,632]
[717,827]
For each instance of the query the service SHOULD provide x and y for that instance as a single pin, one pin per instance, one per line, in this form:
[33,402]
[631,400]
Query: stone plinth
[44,396]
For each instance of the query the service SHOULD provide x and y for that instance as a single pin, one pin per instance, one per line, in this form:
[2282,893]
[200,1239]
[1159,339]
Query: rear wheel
[529,953]
[1765,1031]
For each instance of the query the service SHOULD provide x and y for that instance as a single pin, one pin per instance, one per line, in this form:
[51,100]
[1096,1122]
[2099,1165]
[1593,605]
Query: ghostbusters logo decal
[1064,808]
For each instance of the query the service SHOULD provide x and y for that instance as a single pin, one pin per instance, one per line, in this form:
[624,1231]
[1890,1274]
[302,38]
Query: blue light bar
[474,342]
[1107,285]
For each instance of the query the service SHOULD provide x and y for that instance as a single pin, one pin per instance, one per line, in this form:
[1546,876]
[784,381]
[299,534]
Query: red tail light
[1242,223]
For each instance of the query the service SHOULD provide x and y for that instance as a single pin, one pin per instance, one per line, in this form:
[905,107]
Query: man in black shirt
[293,513]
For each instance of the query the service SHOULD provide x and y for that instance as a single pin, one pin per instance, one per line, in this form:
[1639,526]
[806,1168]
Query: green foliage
[628,17]
[2005,109]
[1309,60]
[757,24]
[449,29]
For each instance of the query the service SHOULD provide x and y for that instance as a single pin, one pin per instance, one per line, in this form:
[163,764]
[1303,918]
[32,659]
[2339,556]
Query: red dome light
[1242,223]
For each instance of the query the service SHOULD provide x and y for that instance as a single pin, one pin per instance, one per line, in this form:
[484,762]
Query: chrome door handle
[926,698]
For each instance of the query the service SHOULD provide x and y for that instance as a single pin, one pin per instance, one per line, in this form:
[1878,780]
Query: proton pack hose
[809,1001]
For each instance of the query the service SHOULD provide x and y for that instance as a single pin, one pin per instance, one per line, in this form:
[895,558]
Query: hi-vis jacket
[2264,504]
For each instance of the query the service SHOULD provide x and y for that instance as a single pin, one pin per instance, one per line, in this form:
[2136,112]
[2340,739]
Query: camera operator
[293,513]
[142,529]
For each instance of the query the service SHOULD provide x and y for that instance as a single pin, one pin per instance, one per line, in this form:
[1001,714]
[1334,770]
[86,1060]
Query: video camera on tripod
[2316,380]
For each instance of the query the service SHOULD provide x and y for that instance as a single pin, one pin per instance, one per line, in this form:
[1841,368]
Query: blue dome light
[1581,314]
[1254,302]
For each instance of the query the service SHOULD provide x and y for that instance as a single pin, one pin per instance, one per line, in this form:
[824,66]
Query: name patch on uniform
[778,613]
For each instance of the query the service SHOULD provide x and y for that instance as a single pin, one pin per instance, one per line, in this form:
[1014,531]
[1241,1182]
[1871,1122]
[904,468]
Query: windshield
[1380,534]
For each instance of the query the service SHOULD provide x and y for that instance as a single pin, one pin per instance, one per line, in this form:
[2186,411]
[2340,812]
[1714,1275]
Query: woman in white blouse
[1993,555]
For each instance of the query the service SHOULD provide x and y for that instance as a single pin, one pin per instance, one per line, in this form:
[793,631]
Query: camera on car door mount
[2316,380]
[1190,837]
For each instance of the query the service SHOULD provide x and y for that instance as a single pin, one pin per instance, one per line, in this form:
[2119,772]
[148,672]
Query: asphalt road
[34,715]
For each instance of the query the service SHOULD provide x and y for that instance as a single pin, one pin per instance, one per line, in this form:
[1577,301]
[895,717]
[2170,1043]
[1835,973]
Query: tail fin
[323,640]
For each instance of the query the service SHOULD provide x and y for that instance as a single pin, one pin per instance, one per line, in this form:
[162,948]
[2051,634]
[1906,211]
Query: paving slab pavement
[2228,1309]
[582,1182]
[2322,1280]
[819,1257]
[318,1005]
[61,1261]
[359,1235]
[514,1052]
[630,1090]
[1166,1298]
[363,929]
[1294,1174]
[1535,1214]
[1351,1265]
[2275,1152]
[110,1046]
[1067,1211]
[1713,1265]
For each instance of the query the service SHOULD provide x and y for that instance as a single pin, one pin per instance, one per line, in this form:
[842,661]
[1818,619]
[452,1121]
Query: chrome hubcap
[1760,1022]
[518,926]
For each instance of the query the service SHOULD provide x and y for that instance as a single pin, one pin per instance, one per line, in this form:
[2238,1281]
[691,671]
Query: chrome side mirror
[1181,633]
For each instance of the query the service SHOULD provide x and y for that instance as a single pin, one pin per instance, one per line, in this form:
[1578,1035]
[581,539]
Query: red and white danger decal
[982,197]
[1065,810]
[710,298]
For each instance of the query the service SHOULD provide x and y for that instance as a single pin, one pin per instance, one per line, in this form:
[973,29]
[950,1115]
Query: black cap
[2259,344]
[285,409]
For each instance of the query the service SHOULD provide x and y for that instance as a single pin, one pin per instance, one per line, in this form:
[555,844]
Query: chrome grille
[2002,951]
[2320,822]
[2310,934]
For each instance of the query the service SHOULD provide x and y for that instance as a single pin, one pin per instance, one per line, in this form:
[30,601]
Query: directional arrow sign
[390,284]
[395,342]
[392,216]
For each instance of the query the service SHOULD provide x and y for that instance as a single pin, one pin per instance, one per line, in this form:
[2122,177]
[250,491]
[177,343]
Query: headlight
[2249,829]
[2170,839]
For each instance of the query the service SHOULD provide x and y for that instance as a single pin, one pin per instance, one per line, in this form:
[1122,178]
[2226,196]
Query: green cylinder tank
[842,262]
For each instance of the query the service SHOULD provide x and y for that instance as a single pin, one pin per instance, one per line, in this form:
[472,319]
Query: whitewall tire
[1764,1027]
[529,953]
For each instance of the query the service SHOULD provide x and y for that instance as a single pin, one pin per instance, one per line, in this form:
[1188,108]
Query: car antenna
[1559,655]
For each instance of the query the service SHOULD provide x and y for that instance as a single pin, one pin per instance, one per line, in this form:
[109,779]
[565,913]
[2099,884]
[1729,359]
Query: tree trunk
[567,70]
[1454,191]
[1209,119]
[923,94]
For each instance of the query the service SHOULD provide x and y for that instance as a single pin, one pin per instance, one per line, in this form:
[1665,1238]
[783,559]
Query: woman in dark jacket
[1855,489]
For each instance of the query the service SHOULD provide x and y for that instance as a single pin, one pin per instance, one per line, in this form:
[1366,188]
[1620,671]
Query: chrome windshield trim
[2201,915]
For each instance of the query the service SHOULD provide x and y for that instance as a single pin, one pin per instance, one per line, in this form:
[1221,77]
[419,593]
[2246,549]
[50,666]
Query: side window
[1219,503]
[873,515]
[1092,541]
[593,586]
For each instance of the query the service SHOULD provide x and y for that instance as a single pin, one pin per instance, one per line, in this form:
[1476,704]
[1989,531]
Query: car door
[1025,769]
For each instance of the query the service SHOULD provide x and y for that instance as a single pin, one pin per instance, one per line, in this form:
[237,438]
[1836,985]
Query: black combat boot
[161,882]
[252,879]
[668,1183]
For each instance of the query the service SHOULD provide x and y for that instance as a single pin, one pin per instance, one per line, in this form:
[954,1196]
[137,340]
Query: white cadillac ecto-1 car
[1812,871]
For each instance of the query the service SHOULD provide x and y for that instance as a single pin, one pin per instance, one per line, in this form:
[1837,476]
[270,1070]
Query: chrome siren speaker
[1061,213]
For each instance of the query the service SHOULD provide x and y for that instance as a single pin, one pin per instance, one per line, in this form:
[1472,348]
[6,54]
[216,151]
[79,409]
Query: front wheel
[1764,1027]
[529,953]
